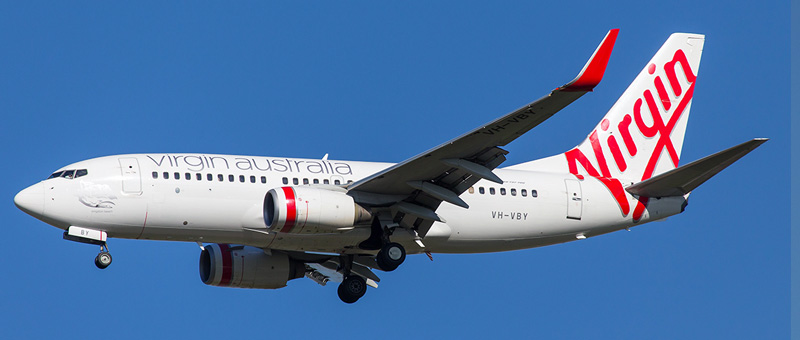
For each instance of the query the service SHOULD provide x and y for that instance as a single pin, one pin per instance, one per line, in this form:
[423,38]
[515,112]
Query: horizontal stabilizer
[680,181]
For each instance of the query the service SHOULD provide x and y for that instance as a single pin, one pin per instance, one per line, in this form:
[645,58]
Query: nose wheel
[103,259]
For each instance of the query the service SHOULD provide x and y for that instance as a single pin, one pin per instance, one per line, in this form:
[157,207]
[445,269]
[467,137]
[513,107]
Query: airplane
[263,221]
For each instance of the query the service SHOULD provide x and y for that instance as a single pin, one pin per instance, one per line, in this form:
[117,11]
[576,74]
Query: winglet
[593,71]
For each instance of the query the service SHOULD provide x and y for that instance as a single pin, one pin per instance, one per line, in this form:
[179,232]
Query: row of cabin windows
[242,178]
[296,181]
[209,177]
[512,191]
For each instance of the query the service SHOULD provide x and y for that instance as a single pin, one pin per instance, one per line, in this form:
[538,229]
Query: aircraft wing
[416,187]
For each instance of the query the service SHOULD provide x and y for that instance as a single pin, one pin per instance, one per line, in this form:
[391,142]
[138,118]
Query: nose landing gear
[91,236]
[103,259]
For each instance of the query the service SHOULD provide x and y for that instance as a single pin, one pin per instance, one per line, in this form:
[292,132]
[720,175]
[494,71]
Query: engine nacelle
[311,210]
[247,267]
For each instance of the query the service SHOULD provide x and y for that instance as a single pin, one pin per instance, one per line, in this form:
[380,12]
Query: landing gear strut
[391,255]
[103,260]
[91,236]
[353,287]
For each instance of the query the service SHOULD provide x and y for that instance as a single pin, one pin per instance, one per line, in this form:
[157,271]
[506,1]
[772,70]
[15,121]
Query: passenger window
[220,177]
[209,177]
[285,180]
[349,181]
[188,176]
[231,178]
[325,181]
[81,173]
[491,191]
[503,191]
[534,193]
[155,174]
[241,178]
[305,181]
[199,176]
[69,174]
[513,192]
[316,181]
[177,175]
[295,181]
[263,179]
[166,175]
[252,179]
[471,190]
[337,182]
[524,192]
[481,190]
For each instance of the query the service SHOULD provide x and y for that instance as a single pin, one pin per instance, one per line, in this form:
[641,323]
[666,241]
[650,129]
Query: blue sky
[363,81]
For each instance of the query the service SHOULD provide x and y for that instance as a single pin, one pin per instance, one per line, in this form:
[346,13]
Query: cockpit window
[69,174]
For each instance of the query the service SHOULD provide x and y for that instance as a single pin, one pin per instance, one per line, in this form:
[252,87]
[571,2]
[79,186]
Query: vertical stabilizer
[642,134]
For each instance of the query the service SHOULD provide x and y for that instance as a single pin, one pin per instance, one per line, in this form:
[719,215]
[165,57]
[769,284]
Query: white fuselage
[219,199]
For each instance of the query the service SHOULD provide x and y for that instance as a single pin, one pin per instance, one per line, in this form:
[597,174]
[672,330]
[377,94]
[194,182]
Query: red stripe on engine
[227,264]
[291,209]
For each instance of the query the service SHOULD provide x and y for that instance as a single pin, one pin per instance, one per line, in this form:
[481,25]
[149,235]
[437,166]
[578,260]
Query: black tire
[390,256]
[352,288]
[103,260]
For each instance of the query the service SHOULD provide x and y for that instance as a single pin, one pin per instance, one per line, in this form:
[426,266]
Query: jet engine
[247,267]
[311,210]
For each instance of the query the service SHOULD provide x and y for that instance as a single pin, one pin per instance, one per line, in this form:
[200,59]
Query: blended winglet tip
[756,142]
[593,71]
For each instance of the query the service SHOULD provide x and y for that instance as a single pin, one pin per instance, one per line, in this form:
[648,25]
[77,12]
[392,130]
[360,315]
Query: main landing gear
[103,259]
[390,255]
[353,287]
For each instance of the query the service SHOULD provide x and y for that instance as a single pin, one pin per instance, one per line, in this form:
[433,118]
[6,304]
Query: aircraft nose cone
[31,200]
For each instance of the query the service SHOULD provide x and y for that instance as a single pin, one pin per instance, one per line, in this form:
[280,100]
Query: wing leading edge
[414,188]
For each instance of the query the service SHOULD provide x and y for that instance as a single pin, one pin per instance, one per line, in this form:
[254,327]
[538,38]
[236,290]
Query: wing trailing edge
[682,180]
